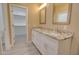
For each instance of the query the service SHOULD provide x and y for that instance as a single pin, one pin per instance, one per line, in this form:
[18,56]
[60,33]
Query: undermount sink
[54,33]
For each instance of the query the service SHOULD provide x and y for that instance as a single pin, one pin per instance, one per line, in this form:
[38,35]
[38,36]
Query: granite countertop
[59,35]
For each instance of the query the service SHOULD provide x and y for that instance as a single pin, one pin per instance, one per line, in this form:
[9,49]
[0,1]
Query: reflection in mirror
[43,16]
[62,13]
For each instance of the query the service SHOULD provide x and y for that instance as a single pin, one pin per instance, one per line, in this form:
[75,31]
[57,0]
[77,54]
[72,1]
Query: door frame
[11,22]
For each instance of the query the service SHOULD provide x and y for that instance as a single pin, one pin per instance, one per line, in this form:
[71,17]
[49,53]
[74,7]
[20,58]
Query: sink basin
[52,33]
[55,34]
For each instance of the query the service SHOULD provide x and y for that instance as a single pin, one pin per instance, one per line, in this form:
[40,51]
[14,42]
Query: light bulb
[42,6]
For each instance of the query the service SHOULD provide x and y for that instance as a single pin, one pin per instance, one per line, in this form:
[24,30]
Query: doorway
[19,25]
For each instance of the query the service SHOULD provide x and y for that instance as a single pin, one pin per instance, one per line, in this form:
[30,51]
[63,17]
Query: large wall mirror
[62,12]
[43,16]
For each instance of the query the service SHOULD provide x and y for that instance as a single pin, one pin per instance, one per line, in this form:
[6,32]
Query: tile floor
[22,48]
[28,49]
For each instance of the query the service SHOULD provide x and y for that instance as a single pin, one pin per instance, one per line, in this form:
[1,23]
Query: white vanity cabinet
[48,45]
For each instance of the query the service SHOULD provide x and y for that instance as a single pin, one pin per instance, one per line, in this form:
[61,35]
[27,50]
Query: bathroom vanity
[52,42]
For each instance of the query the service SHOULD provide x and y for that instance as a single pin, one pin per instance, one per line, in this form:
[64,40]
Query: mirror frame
[40,18]
[68,17]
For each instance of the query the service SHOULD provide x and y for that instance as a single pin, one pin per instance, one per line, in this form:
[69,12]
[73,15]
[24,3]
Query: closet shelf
[19,24]
[18,14]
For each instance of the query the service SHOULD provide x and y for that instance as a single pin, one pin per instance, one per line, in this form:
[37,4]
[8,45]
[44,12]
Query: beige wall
[6,25]
[33,16]
[73,26]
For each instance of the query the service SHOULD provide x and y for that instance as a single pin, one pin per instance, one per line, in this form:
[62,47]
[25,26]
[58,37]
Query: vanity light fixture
[42,6]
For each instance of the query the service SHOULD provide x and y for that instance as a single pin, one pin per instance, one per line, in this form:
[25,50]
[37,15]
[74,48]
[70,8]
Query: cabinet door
[51,46]
[41,43]
[38,40]
[35,39]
